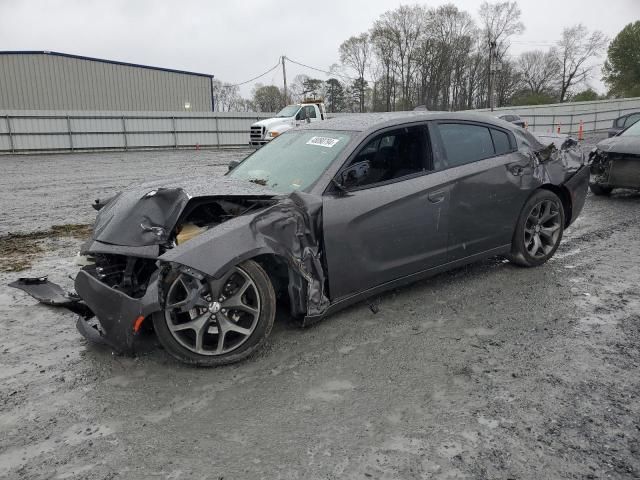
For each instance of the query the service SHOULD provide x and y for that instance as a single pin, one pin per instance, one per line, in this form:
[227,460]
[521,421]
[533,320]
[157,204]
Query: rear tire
[600,190]
[208,322]
[539,230]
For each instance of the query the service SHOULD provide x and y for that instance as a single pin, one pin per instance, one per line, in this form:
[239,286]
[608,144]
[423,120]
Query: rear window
[631,119]
[501,142]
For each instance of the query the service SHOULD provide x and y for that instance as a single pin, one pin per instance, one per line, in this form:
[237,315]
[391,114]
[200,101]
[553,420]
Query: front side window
[391,155]
[293,161]
[464,143]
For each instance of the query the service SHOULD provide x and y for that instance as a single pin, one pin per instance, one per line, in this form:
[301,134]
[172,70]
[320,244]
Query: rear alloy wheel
[210,322]
[600,190]
[539,230]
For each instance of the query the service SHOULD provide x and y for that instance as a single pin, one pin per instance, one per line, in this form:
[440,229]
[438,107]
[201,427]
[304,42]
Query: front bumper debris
[52,294]
[115,311]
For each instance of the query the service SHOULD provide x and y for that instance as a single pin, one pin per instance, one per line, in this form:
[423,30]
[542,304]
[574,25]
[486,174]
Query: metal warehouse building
[36,80]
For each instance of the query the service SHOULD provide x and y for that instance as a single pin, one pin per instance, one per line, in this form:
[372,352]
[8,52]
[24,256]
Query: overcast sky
[237,40]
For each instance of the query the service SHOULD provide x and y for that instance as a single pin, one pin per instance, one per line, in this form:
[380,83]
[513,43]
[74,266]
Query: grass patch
[19,250]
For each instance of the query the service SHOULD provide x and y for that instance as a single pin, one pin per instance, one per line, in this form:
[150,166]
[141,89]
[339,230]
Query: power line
[322,71]
[261,75]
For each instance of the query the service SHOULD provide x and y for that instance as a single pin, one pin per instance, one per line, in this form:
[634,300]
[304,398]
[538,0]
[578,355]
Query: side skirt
[344,302]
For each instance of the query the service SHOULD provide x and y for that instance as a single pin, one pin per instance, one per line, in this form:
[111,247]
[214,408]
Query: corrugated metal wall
[35,81]
[22,131]
[596,116]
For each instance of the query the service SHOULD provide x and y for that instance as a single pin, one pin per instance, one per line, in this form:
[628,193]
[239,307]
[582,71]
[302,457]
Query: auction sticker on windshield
[323,141]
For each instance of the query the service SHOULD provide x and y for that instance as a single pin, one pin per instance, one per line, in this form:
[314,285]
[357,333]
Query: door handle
[436,197]
[515,170]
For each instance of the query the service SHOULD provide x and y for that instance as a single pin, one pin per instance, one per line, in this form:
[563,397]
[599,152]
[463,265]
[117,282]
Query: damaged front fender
[287,230]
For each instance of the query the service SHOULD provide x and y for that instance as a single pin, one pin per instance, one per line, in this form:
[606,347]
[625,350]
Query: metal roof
[101,60]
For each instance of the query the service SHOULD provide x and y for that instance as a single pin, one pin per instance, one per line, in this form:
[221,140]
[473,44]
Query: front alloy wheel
[212,322]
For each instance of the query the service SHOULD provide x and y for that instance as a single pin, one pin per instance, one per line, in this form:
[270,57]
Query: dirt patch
[19,250]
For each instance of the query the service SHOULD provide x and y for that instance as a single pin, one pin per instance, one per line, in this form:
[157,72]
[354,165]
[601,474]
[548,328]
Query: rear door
[490,183]
[394,222]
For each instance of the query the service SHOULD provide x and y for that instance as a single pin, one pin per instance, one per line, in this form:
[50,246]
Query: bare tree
[539,70]
[576,47]
[226,97]
[355,52]
[403,29]
[500,21]
[507,81]
[385,50]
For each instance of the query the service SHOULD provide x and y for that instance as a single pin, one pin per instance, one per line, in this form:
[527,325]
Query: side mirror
[233,164]
[355,174]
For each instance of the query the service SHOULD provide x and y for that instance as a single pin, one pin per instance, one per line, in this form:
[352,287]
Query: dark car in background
[515,119]
[322,217]
[615,162]
[625,121]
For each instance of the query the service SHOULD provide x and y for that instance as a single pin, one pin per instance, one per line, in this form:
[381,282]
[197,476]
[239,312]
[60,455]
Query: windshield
[292,161]
[632,130]
[288,111]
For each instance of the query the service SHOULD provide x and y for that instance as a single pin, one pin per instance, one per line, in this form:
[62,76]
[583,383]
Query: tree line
[445,59]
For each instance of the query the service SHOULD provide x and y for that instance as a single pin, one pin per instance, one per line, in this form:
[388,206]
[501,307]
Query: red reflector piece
[137,324]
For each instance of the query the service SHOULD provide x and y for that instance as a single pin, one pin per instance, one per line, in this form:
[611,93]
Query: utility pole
[492,72]
[284,76]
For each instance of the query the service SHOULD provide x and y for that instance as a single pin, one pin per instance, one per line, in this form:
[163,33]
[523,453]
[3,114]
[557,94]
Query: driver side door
[395,224]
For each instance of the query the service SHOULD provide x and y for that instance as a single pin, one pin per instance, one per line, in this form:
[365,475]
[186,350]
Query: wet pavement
[488,371]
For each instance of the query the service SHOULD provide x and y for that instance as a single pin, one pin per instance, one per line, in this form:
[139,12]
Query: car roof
[370,122]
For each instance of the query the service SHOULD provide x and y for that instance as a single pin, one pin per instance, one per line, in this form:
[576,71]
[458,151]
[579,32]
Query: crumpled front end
[614,169]
[121,283]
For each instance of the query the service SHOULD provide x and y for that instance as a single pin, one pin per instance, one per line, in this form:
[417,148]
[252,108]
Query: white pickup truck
[286,119]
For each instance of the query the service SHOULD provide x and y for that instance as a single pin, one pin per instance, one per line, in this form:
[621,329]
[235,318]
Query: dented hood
[146,214]
[629,144]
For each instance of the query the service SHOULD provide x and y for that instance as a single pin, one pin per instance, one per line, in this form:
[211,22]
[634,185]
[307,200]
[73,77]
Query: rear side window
[464,143]
[501,142]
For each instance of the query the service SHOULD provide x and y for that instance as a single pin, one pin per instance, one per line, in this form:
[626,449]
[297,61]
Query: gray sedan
[321,217]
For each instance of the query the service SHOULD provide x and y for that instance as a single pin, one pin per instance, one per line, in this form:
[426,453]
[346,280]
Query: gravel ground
[485,372]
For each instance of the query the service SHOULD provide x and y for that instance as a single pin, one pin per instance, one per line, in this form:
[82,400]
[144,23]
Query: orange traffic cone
[581,131]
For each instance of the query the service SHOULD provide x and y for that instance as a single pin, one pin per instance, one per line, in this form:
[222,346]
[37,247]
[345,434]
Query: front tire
[539,230]
[211,322]
[600,190]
